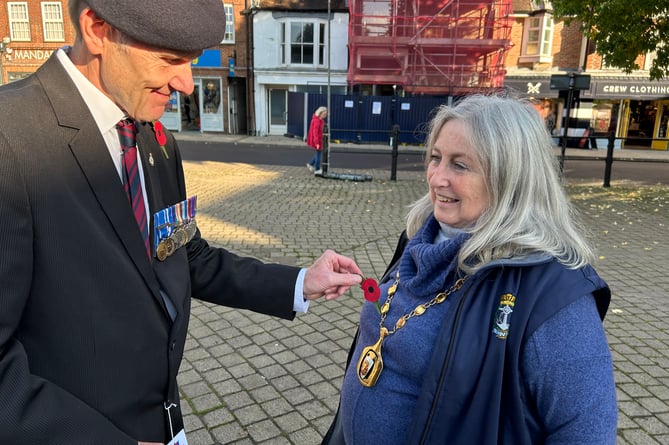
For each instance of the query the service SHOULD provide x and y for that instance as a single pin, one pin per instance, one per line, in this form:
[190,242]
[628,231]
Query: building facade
[297,47]
[220,100]
[31,31]
[635,108]
[272,47]
[444,47]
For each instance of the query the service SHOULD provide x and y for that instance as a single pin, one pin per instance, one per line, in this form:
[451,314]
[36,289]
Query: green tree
[623,29]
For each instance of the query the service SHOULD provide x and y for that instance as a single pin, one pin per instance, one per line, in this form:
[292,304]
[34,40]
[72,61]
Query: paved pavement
[251,379]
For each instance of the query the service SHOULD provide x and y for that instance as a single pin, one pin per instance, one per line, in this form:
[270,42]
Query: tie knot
[126,130]
[128,124]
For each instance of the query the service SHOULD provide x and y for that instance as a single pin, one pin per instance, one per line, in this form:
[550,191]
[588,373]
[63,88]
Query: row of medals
[179,237]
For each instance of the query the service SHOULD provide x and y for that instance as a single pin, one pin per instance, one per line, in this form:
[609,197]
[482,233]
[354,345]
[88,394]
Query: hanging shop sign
[538,86]
[210,58]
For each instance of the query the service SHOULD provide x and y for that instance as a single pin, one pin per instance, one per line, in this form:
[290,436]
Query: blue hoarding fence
[365,119]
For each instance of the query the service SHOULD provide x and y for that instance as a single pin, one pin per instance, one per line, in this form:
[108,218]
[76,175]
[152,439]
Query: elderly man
[100,248]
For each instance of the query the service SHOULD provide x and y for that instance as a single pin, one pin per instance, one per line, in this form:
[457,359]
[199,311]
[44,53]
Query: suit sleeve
[34,410]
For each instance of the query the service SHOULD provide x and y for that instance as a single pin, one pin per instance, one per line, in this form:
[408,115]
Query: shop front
[642,106]
[202,110]
[635,108]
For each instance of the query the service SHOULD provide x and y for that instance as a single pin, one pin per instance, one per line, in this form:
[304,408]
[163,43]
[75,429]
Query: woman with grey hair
[489,329]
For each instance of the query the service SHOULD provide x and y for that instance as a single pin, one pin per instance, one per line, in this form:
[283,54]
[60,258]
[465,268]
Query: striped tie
[131,180]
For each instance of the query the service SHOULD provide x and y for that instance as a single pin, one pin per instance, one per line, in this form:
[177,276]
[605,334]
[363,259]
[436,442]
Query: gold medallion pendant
[370,364]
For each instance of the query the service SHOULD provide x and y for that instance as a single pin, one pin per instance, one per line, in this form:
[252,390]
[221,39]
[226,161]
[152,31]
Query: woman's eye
[459,166]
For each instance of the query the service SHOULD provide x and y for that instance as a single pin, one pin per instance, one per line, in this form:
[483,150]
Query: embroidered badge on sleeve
[502,321]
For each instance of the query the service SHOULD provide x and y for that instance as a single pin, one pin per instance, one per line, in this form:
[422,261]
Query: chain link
[418,310]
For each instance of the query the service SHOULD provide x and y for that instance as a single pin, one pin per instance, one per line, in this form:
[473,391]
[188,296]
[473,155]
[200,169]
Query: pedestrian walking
[315,139]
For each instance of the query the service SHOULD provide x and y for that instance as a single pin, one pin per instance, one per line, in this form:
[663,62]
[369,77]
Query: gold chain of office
[370,363]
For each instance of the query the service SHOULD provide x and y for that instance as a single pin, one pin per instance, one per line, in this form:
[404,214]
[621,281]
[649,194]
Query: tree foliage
[623,29]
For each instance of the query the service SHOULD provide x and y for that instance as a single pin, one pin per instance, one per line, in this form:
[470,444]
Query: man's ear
[94,31]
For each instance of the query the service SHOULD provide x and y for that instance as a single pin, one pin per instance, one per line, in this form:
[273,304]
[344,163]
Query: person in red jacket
[315,139]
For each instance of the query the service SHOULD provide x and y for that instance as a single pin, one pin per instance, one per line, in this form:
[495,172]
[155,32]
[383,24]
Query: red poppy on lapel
[161,137]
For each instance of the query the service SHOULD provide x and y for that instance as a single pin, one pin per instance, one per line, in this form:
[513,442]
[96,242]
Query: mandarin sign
[31,55]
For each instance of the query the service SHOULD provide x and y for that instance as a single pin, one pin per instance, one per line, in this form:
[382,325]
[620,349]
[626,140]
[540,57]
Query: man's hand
[331,275]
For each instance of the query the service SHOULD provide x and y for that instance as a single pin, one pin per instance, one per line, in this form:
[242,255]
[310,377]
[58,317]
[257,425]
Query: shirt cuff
[300,304]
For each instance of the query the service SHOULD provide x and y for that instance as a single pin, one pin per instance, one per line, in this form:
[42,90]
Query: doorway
[211,111]
[190,110]
[277,98]
[642,116]
[237,118]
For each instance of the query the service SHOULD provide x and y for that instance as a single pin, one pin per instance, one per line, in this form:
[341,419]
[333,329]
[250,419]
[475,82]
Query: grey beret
[181,25]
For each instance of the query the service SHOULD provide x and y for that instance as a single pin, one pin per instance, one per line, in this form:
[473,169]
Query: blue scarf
[424,266]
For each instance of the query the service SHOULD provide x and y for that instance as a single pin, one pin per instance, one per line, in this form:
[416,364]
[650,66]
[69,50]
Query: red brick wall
[26,57]
[567,40]
[566,47]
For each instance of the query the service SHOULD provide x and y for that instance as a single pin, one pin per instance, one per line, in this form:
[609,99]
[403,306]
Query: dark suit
[88,351]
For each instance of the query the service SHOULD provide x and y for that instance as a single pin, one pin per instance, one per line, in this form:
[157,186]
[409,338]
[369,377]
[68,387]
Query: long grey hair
[529,210]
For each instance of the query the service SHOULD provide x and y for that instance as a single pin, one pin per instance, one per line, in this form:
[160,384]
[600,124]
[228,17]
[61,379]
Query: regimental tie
[131,180]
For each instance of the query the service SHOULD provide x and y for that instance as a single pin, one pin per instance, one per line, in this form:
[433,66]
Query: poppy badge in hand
[371,291]
[161,137]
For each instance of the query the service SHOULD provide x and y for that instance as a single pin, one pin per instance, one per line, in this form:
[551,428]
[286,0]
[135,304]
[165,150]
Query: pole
[609,159]
[570,98]
[325,162]
[394,136]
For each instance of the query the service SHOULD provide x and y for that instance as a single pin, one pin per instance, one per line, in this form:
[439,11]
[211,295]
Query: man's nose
[183,80]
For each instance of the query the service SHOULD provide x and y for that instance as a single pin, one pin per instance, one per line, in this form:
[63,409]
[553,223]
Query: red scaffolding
[429,46]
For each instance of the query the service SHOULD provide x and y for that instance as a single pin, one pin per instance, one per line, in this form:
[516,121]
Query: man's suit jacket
[88,351]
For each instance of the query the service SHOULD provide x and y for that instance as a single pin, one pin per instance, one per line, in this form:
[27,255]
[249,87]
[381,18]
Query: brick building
[239,78]
[31,31]
[220,99]
[635,108]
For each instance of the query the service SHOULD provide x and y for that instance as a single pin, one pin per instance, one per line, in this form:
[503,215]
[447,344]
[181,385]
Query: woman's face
[455,177]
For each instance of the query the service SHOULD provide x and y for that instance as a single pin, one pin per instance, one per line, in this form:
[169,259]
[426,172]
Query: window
[52,20]
[303,43]
[649,59]
[538,39]
[229,36]
[19,23]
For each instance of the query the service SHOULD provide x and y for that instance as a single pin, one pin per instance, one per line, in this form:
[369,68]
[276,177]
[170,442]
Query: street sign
[570,81]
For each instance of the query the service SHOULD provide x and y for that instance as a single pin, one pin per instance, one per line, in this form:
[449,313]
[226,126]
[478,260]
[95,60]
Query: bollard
[325,147]
[394,139]
[609,159]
